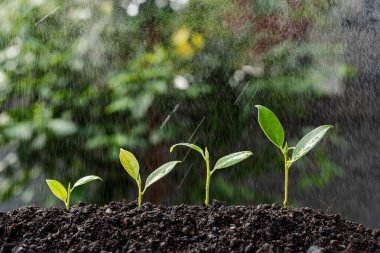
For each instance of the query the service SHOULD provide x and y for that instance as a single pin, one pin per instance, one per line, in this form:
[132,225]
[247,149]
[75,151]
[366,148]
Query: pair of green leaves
[131,165]
[273,129]
[64,194]
[224,162]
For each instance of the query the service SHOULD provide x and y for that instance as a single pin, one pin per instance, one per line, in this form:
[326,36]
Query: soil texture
[124,227]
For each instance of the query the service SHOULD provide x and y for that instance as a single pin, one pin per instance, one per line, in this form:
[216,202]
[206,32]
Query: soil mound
[123,227]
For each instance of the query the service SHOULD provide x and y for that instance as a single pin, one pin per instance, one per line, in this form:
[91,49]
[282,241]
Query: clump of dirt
[124,227]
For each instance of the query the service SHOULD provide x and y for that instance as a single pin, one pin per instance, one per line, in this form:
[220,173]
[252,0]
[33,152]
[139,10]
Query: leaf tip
[121,152]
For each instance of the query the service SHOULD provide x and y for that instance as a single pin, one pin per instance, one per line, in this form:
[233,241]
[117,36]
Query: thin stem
[139,199]
[286,183]
[208,177]
[287,165]
[67,203]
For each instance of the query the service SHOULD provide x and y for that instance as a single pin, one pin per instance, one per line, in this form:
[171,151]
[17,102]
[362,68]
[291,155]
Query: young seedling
[272,128]
[224,162]
[131,165]
[64,194]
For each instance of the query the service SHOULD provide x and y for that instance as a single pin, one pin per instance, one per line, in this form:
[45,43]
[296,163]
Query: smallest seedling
[60,191]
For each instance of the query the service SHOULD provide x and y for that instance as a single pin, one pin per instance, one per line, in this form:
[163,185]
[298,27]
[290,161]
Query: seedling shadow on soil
[125,227]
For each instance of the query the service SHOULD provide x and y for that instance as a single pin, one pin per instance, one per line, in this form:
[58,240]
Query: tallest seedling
[272,128]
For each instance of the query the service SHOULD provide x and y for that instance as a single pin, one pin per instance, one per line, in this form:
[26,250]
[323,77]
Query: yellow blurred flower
[185,49]
[197,40]
[181,36]
[181,40]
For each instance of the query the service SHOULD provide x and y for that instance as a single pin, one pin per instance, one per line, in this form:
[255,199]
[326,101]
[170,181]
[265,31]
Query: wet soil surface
[123,227]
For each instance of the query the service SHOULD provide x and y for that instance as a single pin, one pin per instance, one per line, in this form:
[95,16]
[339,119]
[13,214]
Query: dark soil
[123,227]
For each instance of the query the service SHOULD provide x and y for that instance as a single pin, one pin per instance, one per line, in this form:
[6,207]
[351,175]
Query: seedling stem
[67,203]
[287,164]
[208,176]
[139,199]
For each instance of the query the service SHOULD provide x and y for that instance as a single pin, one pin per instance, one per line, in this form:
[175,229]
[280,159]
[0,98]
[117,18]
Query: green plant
[273,129]
[131,165]
[224,162]
[64,194]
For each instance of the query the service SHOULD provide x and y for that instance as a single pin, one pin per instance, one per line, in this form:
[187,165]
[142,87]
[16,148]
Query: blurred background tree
[80,79]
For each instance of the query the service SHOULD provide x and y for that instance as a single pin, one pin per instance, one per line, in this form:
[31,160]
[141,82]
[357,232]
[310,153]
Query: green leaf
[62,127]
[57,189]
[21,131]
[85,180]
[130,163]
[271,126]
[309,141]
[232,159]
[195,147]
[159,173]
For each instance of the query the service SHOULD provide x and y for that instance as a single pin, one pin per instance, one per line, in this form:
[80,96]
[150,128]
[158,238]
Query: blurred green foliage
[80,79]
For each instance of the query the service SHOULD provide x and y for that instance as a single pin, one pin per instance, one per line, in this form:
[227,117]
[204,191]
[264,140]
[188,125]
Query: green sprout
[224,162]
[131,165]
[272,128]
[64,194]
